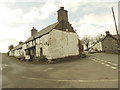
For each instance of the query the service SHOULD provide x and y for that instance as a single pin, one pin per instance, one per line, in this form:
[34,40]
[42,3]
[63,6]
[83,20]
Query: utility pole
[116,31]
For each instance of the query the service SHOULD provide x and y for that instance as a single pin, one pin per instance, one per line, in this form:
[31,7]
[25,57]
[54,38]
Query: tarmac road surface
[96,71]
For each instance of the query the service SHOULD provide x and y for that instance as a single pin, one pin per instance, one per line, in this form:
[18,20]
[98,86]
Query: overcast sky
[17,17]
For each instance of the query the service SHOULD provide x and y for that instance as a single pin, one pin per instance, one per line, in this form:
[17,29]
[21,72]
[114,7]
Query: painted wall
[98,46]
[11,53]
[23,49]
[42,42]
[17,52]
[109,44]
[62,44]
[57,44]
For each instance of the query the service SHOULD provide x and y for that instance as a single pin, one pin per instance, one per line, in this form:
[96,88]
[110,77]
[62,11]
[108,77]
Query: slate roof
[113,36]
[110,36]
[17,47]
[42,32]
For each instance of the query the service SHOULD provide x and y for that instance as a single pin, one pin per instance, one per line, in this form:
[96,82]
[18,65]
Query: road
[96,71]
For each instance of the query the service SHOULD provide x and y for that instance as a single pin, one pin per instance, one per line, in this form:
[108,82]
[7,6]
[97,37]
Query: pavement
[99,70]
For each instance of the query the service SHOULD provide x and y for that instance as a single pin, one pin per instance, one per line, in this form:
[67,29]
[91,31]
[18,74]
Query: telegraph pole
[116,31]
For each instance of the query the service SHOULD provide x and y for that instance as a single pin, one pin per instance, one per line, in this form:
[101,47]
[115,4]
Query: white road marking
[112,80]
[115,64]
[114,67]
[3,66]
[93,59]
[48,69]
[88,80]
[102,63]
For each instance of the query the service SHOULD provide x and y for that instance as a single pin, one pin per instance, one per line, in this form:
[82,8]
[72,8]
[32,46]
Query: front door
[41,52]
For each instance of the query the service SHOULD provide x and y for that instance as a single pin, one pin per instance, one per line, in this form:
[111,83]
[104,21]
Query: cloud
[4,43]
[71,5]
[87,19]
[32,15]
[47,9]
[94,24]
[10,35]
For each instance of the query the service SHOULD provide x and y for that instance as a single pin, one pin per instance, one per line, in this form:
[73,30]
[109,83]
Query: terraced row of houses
[58,40]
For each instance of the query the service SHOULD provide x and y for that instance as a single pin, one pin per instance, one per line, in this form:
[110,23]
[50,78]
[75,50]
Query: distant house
[107,44]
[58,40]
[17,50]
[11,53]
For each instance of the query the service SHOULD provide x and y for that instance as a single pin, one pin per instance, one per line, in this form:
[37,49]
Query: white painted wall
[62,44]
[98,46]
[16,52]
[42,42]
[11,53]
[57,44]
[23,49]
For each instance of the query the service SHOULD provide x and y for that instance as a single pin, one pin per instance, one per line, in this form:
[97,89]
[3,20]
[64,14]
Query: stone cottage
[107,44]
[57,40]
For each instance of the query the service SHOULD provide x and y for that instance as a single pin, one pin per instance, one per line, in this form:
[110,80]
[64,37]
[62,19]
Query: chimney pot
[20,42]
[62,8]
[107,32]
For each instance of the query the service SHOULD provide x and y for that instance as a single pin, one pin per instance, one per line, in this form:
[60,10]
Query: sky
[88,17]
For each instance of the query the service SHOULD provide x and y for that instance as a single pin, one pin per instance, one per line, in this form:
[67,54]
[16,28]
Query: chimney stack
[62,14]
[33,31]
[107,32]
[20,42]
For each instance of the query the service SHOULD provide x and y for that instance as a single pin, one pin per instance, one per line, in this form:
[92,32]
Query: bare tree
[99,37]
[86,41]
[89,41]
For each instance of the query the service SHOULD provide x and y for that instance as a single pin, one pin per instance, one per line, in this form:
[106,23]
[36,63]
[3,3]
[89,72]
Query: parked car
[92,51]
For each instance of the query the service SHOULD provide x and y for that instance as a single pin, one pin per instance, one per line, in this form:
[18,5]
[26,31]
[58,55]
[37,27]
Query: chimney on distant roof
[62,14]
[20,42]
[107,32]
[33,31]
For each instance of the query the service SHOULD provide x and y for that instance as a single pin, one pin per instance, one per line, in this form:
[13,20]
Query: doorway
[41,52]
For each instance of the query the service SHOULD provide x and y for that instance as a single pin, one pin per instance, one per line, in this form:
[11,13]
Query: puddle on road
[3,66]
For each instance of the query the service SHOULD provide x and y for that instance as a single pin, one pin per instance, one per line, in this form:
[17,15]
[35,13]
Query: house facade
[108,44]
[98,46]
[58,40]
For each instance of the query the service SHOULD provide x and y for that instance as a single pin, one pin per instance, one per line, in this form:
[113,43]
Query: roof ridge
[43,31]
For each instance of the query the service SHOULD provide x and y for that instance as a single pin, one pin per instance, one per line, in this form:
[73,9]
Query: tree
[11,47]
[86,41]
[99,37]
